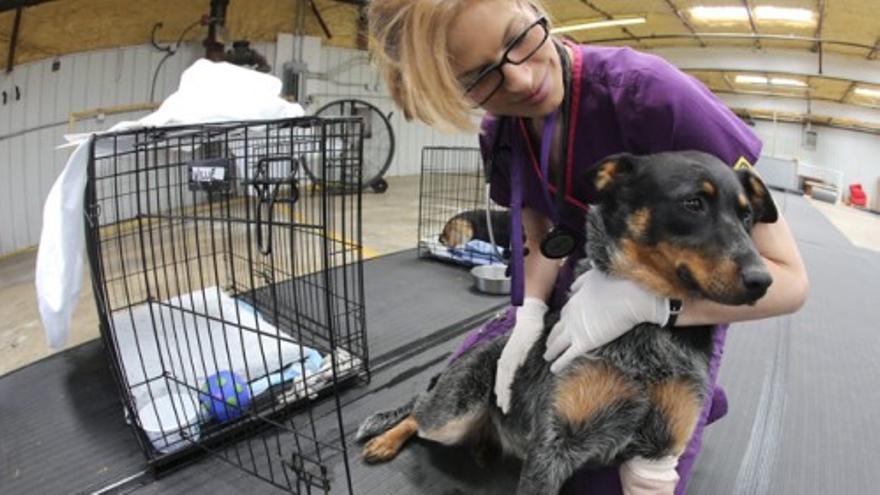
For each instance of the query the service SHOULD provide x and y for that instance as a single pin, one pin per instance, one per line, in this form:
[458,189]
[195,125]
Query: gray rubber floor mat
[803,400]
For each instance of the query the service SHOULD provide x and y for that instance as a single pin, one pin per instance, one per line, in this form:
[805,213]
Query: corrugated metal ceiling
[841,27]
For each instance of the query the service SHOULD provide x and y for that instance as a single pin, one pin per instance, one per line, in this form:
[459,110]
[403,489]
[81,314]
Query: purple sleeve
[669,110]
[499,179]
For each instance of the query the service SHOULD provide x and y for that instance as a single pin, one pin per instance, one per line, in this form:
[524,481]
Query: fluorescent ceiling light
[742,79]
[782,81]
[782,14]
[598,24]
[720,13]
[764,13]
[773,81]
[870,93]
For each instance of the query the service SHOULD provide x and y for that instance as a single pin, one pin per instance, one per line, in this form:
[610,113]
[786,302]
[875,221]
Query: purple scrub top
[625,101]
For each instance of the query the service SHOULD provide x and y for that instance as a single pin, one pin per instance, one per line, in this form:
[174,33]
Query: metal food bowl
[491,279]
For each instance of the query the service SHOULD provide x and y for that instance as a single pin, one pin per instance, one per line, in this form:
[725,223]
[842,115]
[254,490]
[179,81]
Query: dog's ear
[604,177]
[758,195]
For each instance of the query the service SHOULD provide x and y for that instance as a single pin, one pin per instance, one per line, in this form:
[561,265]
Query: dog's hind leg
[563,448]
[386,446]
[458,404]
[448,413]
[390,429]
[591,421]
[445,428]
[382,421]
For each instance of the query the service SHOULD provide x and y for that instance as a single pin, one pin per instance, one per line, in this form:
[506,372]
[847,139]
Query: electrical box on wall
[294,78]
[809,137]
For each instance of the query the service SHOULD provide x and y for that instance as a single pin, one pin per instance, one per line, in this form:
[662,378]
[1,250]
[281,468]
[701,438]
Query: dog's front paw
[382,448]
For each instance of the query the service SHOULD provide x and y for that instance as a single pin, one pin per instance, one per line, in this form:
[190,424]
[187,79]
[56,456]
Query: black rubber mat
[62,427]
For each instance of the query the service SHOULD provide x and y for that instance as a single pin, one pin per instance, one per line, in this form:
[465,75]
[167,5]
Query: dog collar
[675,307]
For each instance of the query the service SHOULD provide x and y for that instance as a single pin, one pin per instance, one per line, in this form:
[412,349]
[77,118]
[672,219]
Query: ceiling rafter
[777,73]
[733,36]
[6,5]
[820,8]
[752,23]
[13,42]
[781,92]
[726,79]
[873,54]
[799,117]
[685,22]
[848,91]
[608,16]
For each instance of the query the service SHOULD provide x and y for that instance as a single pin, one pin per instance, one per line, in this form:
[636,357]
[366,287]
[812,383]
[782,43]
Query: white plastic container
[171,422]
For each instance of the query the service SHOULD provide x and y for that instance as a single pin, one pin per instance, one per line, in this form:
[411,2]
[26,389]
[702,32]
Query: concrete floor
[861,227]
[389,225]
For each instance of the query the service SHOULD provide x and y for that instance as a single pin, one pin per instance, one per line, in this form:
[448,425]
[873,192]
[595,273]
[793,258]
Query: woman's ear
[604,177]
[758,195]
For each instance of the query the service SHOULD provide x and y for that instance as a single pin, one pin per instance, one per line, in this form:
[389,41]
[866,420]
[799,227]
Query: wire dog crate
[452,208]
[229,286]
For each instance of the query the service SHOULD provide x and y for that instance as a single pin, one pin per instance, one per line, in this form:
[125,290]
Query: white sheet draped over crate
[208,92]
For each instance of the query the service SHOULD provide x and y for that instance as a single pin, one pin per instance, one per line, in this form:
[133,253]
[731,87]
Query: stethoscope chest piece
[558,243]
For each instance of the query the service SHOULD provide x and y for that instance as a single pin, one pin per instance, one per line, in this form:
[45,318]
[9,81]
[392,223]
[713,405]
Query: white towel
[208,92]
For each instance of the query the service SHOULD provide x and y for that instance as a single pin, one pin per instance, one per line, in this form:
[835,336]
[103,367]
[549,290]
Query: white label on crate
[207,174]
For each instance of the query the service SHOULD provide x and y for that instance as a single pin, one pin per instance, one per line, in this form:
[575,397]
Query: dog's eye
[746,218]
[695,204]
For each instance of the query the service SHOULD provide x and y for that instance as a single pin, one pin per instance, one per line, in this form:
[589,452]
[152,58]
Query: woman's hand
[528,328]
[601,308]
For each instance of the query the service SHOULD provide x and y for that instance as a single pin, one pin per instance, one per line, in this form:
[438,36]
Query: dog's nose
[756,282]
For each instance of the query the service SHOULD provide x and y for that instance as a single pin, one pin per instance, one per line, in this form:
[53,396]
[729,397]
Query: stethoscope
[560,241]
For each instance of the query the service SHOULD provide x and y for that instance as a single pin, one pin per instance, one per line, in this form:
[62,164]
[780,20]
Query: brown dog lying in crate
[472,224]
[676,222]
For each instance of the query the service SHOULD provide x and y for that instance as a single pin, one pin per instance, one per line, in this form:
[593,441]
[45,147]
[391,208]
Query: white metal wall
[33,126]
[351,75]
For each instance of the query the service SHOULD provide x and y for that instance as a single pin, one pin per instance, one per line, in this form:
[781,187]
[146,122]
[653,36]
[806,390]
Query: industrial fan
[378,143]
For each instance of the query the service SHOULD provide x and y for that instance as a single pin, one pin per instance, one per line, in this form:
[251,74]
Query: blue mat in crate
[472,253]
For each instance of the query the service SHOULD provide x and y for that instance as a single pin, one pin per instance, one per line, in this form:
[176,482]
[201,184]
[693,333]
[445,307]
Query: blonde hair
[408,41]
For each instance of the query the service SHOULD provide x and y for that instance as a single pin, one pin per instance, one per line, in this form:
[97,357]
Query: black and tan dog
[679,224]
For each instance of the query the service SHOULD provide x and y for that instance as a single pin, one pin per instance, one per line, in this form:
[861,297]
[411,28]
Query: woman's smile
[540,93]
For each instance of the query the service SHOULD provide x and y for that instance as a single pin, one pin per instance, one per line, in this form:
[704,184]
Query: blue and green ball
[224,396]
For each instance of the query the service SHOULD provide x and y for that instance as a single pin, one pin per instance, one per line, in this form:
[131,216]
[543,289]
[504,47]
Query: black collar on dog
[675,307]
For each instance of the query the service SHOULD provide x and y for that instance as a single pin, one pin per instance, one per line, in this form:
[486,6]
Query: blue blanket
[476,252]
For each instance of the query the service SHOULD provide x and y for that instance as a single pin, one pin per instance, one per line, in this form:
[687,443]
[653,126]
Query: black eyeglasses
[485,84]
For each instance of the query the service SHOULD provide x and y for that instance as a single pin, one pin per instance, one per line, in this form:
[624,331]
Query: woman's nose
[517,78]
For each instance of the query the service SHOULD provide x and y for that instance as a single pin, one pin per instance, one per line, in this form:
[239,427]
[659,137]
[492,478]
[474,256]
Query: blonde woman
[550,109]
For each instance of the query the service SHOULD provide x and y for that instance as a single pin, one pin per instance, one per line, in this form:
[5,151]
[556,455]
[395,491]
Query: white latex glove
[600,309]
[528,328]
